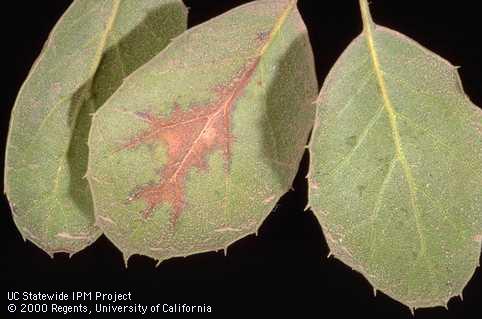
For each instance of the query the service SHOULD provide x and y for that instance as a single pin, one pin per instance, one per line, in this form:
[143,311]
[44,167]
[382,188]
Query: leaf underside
[396,174]
[195,148]
[93,47]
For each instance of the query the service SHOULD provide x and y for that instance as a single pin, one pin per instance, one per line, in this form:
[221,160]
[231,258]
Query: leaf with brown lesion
[213,115]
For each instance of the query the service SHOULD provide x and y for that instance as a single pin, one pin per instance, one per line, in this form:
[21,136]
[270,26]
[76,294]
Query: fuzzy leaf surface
[196,147]
[93,47]
[396,173]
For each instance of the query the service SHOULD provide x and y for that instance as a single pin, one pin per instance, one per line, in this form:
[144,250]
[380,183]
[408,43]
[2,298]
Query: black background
[284,268]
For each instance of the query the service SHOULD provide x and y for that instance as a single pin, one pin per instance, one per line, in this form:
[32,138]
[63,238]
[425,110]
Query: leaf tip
[126,258]
[50,253]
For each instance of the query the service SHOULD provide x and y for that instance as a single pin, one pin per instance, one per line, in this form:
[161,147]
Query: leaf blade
[218,78]
[386,181]
[46,152]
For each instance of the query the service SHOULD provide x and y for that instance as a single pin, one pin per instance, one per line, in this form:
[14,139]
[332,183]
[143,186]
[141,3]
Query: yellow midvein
[98,56]
[277,27]
[95,64]
[367,28]
[108,28]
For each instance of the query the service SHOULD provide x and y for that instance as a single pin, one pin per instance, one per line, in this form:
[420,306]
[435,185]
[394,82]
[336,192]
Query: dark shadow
[133,50]
[290,109]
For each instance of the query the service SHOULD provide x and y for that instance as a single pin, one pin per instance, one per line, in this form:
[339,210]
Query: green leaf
[196,147]
[396,170]
[93,47]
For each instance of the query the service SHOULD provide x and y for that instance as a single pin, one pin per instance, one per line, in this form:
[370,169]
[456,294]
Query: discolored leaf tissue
[196,147]
[174,142]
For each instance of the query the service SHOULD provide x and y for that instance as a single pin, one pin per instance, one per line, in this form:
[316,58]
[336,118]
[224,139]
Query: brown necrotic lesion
[190,136]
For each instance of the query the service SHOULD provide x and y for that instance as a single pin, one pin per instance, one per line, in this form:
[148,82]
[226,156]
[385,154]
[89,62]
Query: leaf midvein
[367,26]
